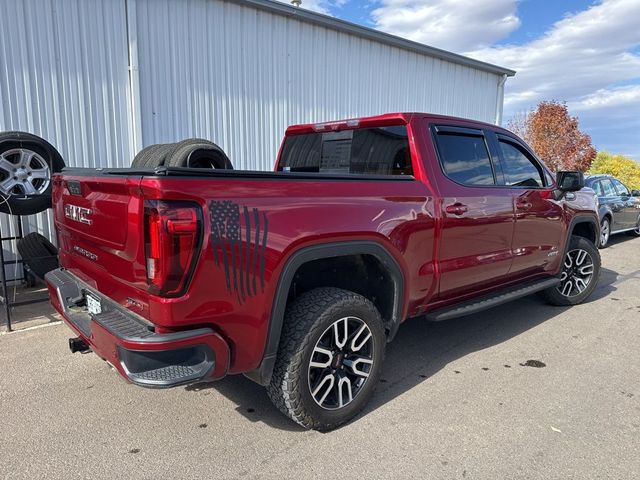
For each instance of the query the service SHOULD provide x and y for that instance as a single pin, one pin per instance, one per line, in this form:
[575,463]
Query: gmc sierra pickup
[299,277]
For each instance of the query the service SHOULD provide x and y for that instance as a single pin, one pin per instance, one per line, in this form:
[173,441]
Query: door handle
[523,205]
[456,209]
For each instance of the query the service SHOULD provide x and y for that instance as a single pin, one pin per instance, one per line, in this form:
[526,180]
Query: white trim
[134,75]
[500,99]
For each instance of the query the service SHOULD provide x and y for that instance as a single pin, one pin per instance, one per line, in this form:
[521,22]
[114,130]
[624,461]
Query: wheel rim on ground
[23,172]
[604,232]
[577,273]
[341,362]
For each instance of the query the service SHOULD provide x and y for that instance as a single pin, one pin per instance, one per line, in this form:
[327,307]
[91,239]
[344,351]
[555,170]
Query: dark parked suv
[619,208]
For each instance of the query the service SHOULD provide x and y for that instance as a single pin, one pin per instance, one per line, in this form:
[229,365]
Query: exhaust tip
[78,345]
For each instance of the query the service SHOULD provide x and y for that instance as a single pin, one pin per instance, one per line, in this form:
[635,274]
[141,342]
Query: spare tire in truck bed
[197,153]
[192,152]
[38,254]
[151,156]
[27,163]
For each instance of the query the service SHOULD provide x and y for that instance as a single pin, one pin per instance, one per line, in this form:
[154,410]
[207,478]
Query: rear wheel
[330,358]
[605,232]
[580,272]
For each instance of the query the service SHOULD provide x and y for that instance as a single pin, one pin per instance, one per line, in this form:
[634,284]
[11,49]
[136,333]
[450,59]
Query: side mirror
[635,193]
[569,181]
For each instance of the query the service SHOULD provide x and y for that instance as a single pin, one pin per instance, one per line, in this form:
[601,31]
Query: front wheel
[605,232]
[329,359]
[580,272]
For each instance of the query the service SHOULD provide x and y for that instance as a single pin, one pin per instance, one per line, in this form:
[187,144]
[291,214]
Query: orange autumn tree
[555,136]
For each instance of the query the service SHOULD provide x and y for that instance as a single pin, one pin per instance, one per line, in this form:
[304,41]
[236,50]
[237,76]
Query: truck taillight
[173,236]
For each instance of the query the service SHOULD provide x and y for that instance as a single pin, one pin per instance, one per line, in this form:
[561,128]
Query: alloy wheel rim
[577,273]
[23,172]
[604,232]
[341,363]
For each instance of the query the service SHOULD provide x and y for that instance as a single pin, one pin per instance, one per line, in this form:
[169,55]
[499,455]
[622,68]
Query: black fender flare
[578,219]
[262,374]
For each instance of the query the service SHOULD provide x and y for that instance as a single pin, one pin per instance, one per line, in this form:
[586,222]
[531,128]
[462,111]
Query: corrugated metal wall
[206,68]
[64,76]
[239,76]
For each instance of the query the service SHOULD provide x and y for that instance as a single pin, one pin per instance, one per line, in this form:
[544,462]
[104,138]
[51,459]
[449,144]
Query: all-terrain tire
[44,160]
[306,319]
[38,254]
[554,296]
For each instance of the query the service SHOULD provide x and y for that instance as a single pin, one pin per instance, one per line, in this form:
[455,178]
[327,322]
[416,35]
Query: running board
[491,300]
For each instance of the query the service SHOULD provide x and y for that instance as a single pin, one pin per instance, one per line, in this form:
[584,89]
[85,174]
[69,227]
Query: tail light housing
[173,238]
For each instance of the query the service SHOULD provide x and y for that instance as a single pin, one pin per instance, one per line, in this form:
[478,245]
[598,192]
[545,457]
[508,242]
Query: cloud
[449,24]
[583,53]
[582,59]
[320,6]
[625,96]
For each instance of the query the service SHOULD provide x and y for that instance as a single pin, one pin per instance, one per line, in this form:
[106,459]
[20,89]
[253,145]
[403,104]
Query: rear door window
[366,151]
[464,157]
[607,188]
[519,168]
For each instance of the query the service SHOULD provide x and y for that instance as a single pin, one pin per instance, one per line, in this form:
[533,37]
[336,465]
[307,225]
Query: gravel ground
[458,399]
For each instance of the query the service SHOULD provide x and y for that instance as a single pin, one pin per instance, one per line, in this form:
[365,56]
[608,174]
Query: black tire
[198,153]
[153,155]
[554,295]
[30,194]
[307,320]
[605,232]
[38,254]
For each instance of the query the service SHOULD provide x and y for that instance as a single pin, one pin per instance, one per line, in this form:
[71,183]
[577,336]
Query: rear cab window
[365,151]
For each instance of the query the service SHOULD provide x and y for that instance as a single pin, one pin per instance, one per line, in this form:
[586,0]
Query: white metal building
[100,79]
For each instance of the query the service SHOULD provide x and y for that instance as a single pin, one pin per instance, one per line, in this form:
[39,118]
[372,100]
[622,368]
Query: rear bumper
[130,344]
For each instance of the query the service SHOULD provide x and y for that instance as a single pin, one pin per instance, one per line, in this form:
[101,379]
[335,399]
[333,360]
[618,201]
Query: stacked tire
[190,153]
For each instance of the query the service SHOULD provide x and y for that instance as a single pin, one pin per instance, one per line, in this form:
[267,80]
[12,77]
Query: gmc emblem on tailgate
[77,214]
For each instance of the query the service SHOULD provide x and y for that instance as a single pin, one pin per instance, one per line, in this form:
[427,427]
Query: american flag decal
[239,243]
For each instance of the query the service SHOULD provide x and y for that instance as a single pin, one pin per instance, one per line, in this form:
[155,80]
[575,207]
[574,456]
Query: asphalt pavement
[523,391]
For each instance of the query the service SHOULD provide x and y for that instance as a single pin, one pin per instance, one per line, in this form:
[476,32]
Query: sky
[584,53]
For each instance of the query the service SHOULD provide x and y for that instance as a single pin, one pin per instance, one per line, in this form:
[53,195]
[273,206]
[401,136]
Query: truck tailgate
[99,220]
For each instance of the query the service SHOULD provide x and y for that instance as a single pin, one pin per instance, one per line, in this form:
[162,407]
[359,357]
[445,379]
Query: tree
[555,136]
[623,168]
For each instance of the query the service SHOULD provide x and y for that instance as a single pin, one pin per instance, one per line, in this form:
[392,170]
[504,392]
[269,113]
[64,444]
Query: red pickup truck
[298,278]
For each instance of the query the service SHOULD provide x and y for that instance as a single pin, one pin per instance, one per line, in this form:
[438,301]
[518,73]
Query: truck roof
[379,121]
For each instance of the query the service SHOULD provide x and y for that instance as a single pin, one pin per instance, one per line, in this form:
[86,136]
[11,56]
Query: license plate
[93,304]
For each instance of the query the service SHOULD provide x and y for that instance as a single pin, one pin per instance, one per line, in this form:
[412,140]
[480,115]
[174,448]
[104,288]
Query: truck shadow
[420,350]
